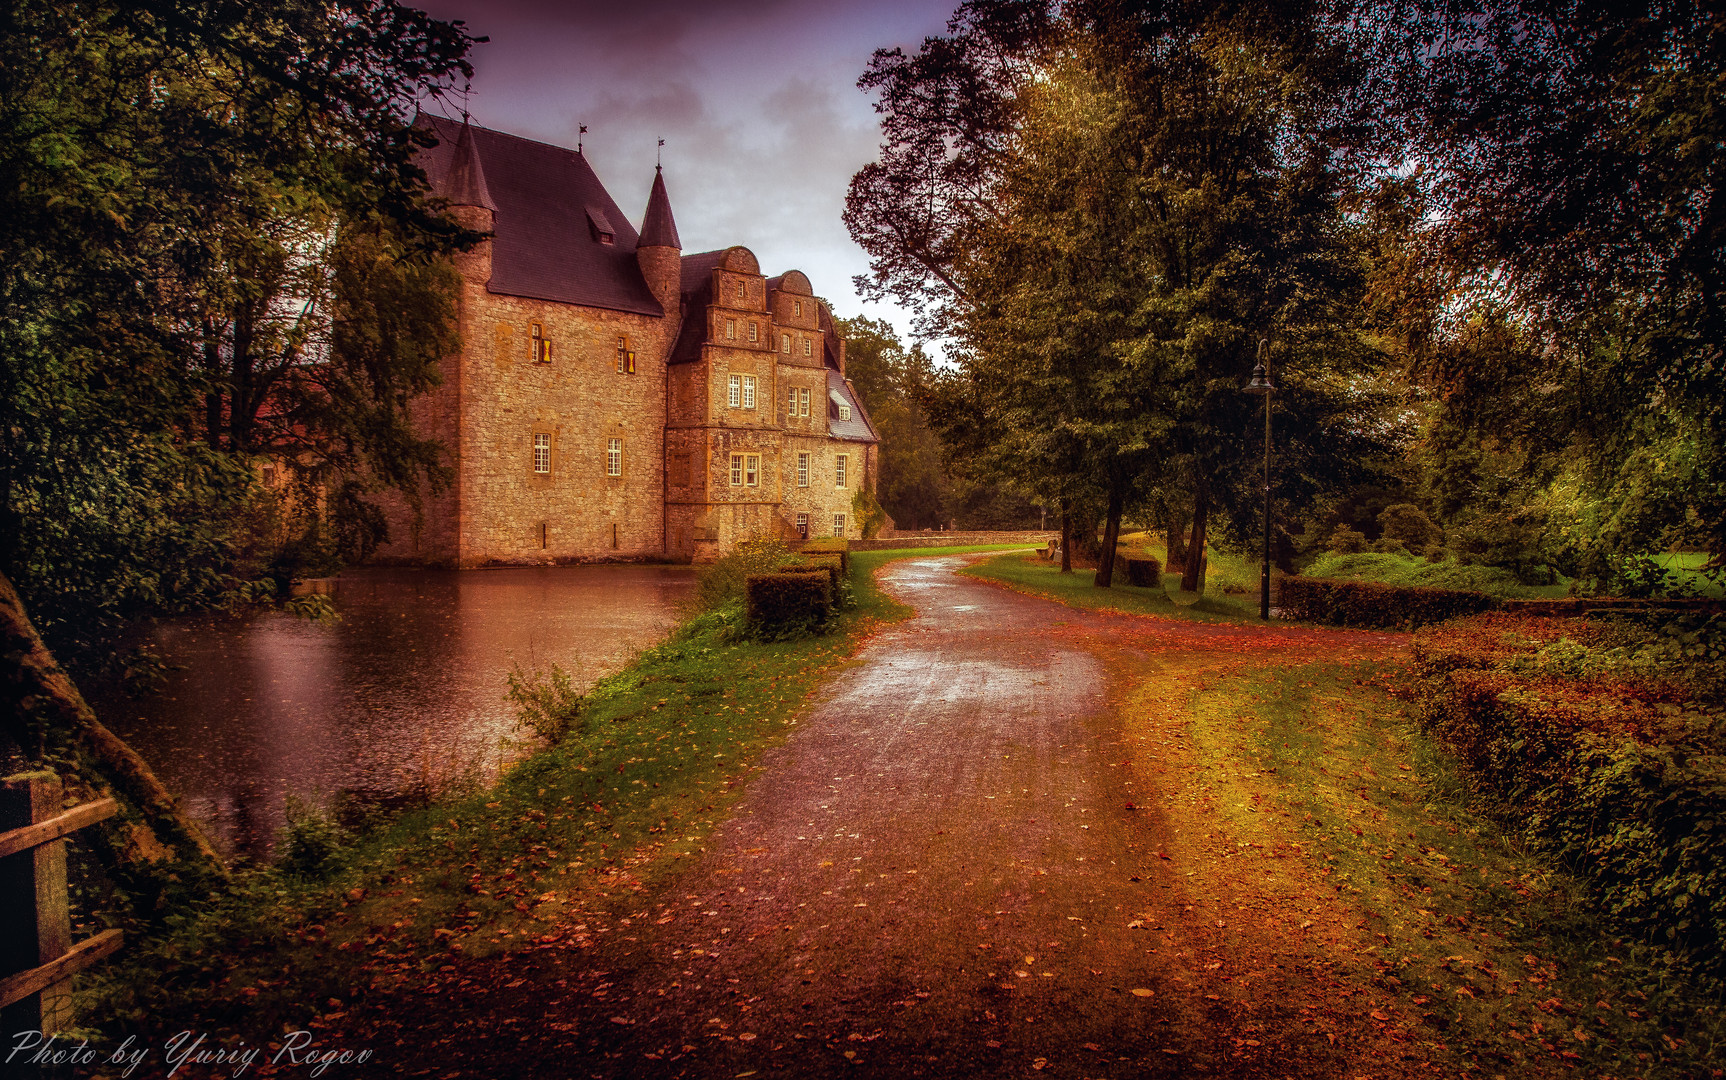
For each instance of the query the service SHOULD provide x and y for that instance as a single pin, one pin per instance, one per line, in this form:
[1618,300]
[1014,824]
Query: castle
[614,397]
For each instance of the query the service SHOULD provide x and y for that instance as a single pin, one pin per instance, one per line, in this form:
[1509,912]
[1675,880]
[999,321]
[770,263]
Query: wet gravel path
[961,864]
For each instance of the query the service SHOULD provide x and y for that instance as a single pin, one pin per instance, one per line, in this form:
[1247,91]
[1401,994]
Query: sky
[757,103]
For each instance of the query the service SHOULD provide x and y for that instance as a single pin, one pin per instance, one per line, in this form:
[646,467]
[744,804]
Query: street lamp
[1261,384]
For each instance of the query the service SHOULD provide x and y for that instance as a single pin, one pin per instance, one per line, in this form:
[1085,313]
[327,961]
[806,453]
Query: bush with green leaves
[1408,525]
[722,582]
[546,703]
[788,604]
[1347,541]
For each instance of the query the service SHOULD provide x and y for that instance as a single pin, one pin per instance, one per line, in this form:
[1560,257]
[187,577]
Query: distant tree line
[1480,245]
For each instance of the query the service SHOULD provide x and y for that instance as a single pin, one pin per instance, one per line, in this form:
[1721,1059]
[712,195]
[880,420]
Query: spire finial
[581,129]
[466,92]
[659,156]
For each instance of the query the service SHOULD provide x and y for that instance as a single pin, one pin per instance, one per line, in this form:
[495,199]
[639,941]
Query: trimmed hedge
[831,565]
[1145,573]
[831,545]
[1374,604]
[1601,773]
[788,600]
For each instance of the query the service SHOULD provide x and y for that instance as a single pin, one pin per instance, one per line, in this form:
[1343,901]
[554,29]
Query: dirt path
[986,851]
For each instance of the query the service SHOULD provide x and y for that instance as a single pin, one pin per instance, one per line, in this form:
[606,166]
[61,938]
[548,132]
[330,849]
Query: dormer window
[625,357]
[600,226]
[541,344]
[844,412]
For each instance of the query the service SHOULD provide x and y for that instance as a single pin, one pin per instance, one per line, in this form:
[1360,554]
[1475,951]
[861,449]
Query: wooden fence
[36,950]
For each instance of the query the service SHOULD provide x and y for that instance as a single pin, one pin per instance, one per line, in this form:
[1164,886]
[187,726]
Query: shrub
[313,843]
[723,581]
[783,603]
[1408,524]
[1611,772]
[1146,573]
[1372,604]
[547,704]
[1388,547]
[832,545]
[1347,541]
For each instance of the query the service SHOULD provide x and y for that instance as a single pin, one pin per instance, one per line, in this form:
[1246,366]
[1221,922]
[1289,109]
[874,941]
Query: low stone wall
[1031,538]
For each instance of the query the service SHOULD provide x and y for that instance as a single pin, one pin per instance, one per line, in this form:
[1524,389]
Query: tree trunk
[1176,530]
[37,696]
[1066,536]
[1193,571]
[1111,534]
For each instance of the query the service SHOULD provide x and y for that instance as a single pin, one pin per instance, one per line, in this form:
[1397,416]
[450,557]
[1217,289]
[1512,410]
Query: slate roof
[856,429]
[545,197]
[658,229]
[696,284]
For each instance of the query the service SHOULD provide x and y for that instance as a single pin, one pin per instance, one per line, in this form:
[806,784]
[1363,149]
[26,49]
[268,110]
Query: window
[808,347]
[838,524]
[785,344]
[625,357]
[734,391]
[839,464]
[790,402]
[754,332]
[614,457]
[730,329]
[802,470]
[749,391]
[803,402]
[844,412]
[740,290]
[541,344]
[745,470]
[803,526]
[542,452]
[797,308]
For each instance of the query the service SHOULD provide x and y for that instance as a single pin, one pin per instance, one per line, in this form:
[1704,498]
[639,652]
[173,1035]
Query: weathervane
[659,156]
[579,133]
[466,90]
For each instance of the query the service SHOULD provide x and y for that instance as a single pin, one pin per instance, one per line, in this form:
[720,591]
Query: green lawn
[1032,574]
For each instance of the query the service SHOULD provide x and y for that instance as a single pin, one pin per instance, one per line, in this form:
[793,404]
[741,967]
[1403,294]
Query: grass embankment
[1484,951]
[662,751]
[1418,573]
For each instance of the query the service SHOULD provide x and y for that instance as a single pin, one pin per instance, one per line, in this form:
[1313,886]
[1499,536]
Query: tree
[155,156]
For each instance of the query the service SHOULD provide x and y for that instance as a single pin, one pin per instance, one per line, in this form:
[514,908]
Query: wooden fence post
[36,954]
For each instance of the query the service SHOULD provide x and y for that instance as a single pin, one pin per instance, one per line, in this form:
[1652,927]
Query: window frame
[838,524]
[785,344]
[625,356]
[539,345]
[736,470]
[803,526]
[790,403]
[542,445]
[751,470]
[841,470]
[754,331]
[808,347]
[803,399]
[614,456]
[803,469]
[733,391]
[797,308]
[750,383]
[730,329]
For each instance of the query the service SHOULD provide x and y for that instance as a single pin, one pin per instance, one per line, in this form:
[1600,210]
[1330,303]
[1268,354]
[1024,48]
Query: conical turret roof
[657,228]
[465,182]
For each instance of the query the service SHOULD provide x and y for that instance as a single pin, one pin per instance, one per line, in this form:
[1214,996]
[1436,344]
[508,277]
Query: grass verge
[1486,953]
[664,749]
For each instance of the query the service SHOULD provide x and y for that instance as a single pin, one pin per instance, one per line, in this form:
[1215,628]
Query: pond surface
[406,689]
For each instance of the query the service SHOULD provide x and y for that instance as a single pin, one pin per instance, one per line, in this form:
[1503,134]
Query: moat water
[405,690]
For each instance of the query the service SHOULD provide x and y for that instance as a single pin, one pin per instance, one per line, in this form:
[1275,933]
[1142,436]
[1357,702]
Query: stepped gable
[697,286]
[553,219]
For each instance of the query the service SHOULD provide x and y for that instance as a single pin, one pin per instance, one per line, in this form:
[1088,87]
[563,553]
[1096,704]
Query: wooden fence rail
[36,950]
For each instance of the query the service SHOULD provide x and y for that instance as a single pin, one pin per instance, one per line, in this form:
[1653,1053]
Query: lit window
[541,452]
[803,526]
[797,307]
[625,357]
[736,470]
[844,412]
[785,344]
[803,402]
[808,347]
[838,524]
[839,464]
[541,344]
[734,391]
[730,329]
[802,470]
[754,332]
[749,391]
[614,457]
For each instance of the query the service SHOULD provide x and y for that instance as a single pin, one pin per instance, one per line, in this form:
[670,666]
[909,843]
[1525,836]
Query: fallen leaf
[1141,992]
[1377,1015]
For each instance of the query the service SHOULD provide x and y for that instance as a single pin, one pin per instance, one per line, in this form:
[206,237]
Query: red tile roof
[544,247]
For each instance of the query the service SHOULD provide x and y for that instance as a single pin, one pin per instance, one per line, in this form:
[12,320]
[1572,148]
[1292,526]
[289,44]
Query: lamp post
[1261,384]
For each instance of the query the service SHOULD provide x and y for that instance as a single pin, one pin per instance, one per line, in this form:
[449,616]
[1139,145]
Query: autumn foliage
[1603,745]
